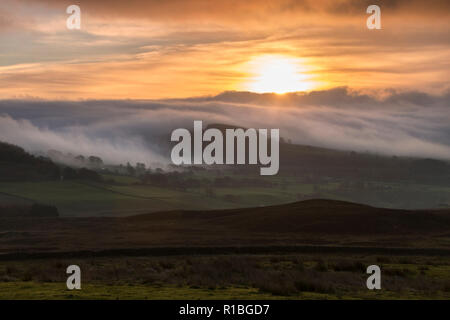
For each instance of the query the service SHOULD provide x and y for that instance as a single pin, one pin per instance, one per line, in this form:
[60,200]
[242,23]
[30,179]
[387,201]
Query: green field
[261,277]
[81,199]
[58,291]
[124,195]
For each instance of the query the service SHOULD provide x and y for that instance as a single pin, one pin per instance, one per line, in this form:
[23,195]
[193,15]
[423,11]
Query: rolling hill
[315,216]
[314,222]
[18,165]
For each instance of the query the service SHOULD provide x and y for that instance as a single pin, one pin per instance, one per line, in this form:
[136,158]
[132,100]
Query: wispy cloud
[162,49]
[409,123]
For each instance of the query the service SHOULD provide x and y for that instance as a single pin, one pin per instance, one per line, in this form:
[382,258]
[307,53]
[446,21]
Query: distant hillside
[300,160]
[16,164]
[314,216]
[317,163]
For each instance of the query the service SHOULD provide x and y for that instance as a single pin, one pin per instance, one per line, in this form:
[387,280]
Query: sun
[277,74]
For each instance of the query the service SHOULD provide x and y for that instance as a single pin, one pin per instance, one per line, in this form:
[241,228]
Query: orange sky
[140,49]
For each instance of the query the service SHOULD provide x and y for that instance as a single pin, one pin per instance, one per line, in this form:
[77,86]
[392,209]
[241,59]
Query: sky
[138,68]
[150,49]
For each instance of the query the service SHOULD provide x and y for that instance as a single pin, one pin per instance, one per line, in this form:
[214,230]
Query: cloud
[392,123]
[156,49]
[75,140]
[206,10]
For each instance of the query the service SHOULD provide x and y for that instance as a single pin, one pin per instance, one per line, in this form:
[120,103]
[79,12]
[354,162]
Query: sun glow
[277,74]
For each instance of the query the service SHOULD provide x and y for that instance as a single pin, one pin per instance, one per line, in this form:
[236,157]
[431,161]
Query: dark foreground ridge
[311,225]
[316,216]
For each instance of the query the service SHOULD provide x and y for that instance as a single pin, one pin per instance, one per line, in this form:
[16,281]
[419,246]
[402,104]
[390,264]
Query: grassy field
[229,277]
[119,195]
[81,199]
[58,291]
[88,199]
